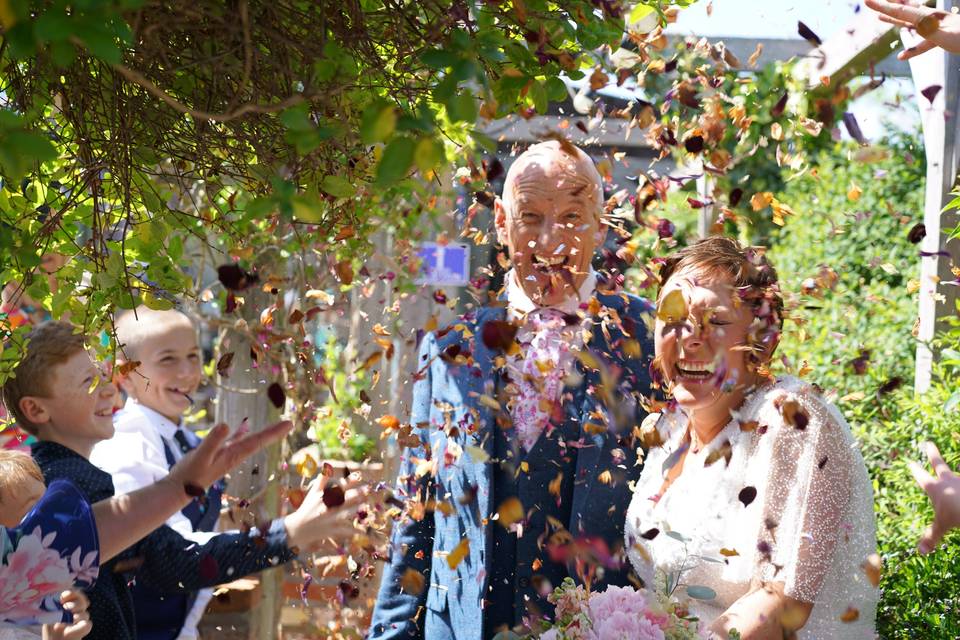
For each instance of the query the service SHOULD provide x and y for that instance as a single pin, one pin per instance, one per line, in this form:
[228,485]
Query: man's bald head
[565,166]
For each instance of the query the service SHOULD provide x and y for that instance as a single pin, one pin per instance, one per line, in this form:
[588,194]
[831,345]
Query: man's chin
[546,293]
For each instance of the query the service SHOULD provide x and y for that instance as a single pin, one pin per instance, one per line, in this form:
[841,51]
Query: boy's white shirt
[134,457]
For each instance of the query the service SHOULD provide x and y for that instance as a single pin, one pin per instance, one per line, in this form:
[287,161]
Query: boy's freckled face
[16,502]
[169,373]
[79,406]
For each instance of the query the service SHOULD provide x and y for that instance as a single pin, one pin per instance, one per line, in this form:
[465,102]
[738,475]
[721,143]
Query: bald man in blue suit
[518,469]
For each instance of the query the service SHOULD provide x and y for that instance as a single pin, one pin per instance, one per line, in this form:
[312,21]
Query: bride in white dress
[754,502]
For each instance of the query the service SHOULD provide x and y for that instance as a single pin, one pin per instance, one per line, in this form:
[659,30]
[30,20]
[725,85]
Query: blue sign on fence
[446,265]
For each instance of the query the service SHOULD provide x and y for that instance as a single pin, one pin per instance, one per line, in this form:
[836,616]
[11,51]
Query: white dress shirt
[519,303]
[135,458]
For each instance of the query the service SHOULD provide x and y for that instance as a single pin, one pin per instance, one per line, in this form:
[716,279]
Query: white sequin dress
[784,499]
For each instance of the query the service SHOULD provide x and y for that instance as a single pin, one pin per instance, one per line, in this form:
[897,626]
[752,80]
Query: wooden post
[242,396]
[939,120]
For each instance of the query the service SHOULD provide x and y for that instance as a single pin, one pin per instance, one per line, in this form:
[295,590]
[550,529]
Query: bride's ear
[763,349]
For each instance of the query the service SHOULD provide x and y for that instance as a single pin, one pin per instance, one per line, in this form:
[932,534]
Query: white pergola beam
[863,42]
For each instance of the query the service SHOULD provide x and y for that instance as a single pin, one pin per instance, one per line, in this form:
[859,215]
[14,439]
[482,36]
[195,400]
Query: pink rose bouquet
[618,613]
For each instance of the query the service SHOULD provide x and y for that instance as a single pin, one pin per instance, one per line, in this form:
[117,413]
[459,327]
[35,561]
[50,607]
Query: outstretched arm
[123,520]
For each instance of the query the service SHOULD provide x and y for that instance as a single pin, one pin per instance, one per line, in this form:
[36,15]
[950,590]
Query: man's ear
[500,220]
[33,410]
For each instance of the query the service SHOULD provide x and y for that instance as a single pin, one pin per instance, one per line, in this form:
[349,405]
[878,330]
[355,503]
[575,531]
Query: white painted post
[705,195]
[939,120]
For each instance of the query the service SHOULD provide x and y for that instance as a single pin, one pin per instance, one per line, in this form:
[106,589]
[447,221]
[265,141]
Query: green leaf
[556,90]
[156,303]
[438,58]
[639,12]
[53,26]
[427,154]
[396,161]
[952,402]
[19,150]
[700,592]
[538,94]
[306,208]
[378,122]
[462,108]
[296,118]
[338,186]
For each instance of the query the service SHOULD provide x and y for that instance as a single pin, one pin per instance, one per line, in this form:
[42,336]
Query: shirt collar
[164,426]
[519,303]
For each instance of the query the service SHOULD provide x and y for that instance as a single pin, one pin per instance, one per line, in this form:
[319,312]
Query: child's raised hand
[944,492]
[75,602]
[314,519]
[937,28]
[216,455]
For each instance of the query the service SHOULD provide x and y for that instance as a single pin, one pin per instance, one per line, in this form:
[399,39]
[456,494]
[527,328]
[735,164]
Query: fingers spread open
[924,479]
[906,12]
[913,52]
[936,460]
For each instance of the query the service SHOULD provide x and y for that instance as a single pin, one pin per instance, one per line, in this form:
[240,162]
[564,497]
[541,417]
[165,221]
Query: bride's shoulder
[792,404]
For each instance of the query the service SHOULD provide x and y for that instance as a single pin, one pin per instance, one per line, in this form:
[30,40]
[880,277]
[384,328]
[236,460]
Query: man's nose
[549,237]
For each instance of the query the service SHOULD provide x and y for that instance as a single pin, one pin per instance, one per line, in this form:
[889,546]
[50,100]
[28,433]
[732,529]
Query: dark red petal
[276,395]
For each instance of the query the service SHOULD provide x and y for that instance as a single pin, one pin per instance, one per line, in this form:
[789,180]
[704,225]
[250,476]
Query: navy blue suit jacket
[453,390]
[164,559]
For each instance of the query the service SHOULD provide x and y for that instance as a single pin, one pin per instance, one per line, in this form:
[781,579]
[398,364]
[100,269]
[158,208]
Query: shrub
[857,340]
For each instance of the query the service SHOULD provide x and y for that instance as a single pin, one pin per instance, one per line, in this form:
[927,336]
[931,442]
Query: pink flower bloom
[624,626]
[661,619]
[617,599]
[32,573]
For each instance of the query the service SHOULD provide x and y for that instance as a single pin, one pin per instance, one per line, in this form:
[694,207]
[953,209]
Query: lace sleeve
[811,470]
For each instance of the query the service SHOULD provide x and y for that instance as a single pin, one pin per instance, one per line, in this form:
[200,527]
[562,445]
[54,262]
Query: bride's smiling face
[702,344]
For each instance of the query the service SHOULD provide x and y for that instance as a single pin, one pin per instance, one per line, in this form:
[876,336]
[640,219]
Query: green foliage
[334,428]
[752,131]
[133,132]
[864,243]
[861,245]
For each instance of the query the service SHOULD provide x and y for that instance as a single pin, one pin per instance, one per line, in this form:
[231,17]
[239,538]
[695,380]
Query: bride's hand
[765,612]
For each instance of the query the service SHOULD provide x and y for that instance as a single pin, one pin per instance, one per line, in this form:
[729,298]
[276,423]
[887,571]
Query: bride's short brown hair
[751,273]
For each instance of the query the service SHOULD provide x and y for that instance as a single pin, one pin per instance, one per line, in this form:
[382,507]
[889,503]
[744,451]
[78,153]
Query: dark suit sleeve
[398,613]
[172,564]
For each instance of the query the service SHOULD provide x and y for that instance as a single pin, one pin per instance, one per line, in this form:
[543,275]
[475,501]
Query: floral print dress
[54,548]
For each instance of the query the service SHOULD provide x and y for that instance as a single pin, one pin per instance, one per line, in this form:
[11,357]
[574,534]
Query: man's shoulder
[466,326]
[626,303]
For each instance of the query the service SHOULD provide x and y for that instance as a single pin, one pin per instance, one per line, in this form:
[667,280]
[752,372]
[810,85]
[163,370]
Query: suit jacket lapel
[593,431]
[483,360]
